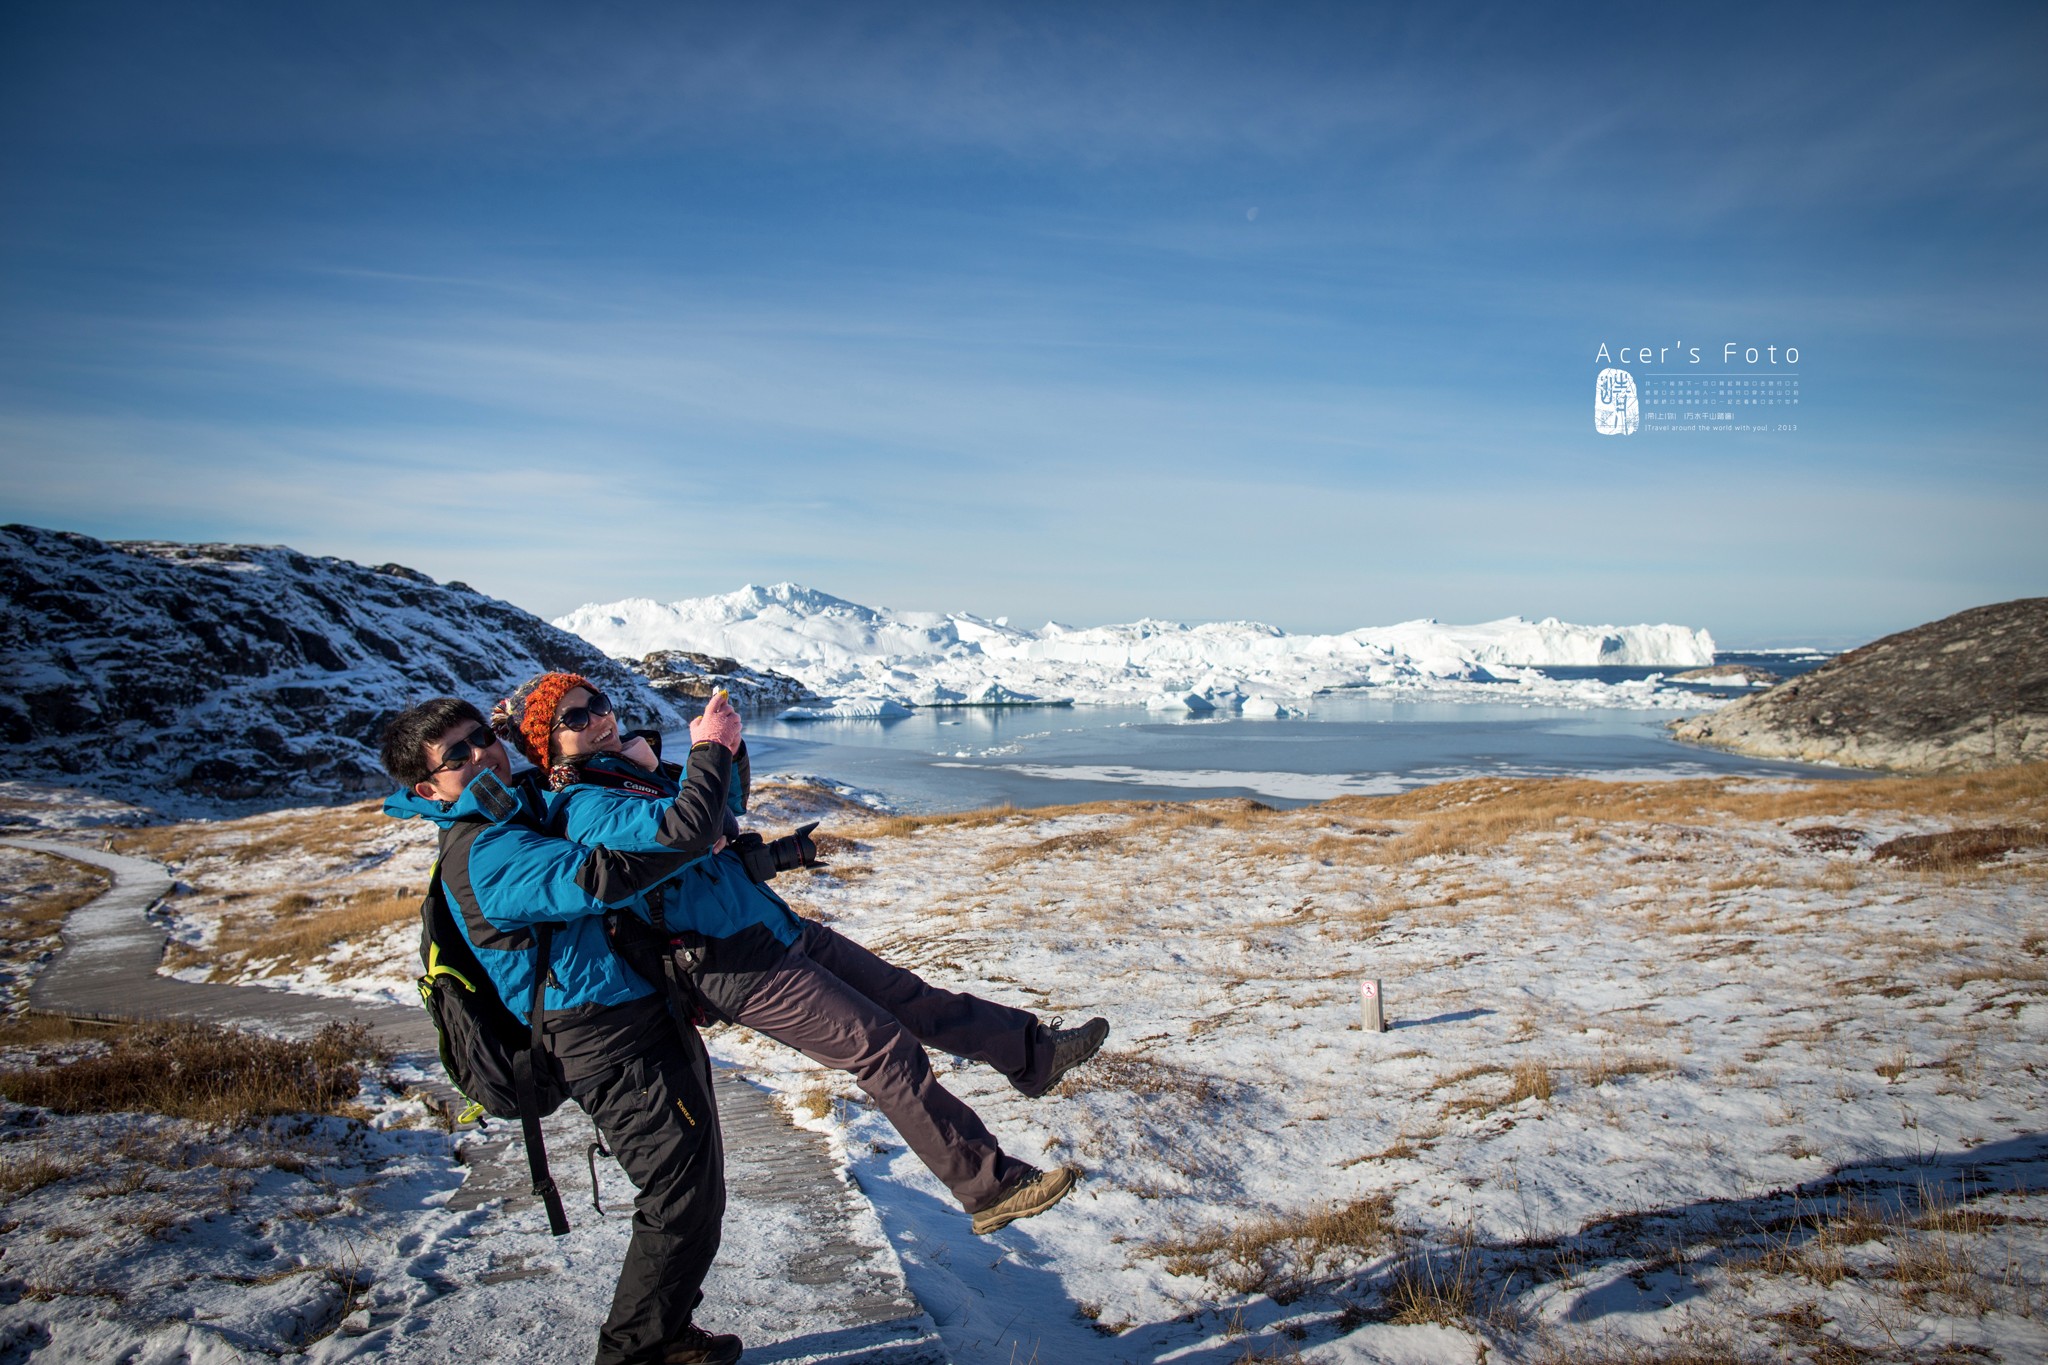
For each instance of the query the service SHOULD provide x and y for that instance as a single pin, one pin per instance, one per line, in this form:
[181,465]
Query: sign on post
[1375,1005]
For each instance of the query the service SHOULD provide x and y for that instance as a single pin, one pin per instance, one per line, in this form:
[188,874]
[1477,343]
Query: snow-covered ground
[146,1239]
[1672,1063]
[869,660]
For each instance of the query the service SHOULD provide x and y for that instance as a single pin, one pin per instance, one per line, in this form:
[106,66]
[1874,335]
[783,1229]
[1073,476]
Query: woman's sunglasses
[578,718]
[466,748]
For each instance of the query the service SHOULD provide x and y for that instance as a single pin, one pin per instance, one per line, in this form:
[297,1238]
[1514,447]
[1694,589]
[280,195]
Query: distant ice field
[1346,744]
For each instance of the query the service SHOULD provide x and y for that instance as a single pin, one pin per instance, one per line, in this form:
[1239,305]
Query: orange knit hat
[527,717]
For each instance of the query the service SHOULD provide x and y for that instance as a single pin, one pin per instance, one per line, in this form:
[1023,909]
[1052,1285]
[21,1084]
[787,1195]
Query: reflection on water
[1352,743]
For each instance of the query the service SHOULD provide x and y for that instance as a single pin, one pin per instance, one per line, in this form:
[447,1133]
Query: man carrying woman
[733,949]
[612,1043]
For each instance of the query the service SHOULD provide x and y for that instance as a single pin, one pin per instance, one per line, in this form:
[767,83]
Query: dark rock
[237,675]
[685,675]
[317,650]
[1728,674]
[1963,693]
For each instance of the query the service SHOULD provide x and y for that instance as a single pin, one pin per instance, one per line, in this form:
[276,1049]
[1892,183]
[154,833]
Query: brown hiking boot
[1035,1193]
[1070,1047]
[695,1346]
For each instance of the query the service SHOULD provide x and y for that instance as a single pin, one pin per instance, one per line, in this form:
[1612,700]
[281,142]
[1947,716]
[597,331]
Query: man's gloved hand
[719,724]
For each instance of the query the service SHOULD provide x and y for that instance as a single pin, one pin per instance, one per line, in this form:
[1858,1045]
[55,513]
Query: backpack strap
[529,1094]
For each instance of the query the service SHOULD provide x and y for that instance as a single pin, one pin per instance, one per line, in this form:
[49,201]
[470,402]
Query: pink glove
[719,724]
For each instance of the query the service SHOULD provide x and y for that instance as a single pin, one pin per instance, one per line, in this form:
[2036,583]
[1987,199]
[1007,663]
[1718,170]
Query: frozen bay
[1347,743]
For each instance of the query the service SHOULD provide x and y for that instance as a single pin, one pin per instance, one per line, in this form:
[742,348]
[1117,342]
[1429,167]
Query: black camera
[766,857]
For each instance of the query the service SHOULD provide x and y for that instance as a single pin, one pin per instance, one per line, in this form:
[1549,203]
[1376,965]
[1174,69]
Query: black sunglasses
[578,718]
[466,748]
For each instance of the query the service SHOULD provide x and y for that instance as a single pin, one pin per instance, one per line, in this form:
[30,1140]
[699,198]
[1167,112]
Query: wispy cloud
[923,300]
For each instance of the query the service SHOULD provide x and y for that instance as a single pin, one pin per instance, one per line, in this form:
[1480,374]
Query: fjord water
[1347,743]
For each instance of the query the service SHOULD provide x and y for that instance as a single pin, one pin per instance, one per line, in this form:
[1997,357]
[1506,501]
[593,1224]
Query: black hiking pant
[845,1008]
[656,1112]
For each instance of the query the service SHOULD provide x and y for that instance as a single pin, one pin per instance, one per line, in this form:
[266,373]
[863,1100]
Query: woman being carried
[751,960]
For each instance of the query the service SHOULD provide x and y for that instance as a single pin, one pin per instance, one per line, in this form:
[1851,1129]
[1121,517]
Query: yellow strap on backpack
[437,969]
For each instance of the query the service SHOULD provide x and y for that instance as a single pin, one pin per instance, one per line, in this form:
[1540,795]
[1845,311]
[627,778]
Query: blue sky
[1287,312]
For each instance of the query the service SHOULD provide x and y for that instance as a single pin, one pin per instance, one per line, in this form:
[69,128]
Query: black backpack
[486,1051]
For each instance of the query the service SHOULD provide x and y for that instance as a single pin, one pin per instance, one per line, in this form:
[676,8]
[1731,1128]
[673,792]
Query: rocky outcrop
[1966,692]
[1729,675]
[201,677]
[688,679]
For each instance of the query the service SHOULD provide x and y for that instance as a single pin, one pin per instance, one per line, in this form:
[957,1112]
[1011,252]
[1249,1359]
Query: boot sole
[1061,1183]
[729,1356]
[1063,1072]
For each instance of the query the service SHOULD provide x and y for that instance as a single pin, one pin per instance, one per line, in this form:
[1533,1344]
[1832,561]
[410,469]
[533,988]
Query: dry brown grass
[1829,838]
[1436,1284]
[284,929]
[1714,1349]
[1060,846]
[1531,1079]
[1837,877]
[1812,1245]
[26,1174]
[303,928]
[1146,819]
[1479,815]
[1266,1254]
[1959,850]
[1400,1149]
[32,1028]
[37,892]
[1145,1077]
[1614,1066]
[2014,976]
[40,889]
[336,833]
[902,826]
[202,1072]
[1459,1077]
[1484,813]
[794,803]
[832,846]
[1926,1250]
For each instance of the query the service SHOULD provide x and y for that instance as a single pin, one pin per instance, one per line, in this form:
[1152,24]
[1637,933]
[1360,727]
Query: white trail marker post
[1374,1004]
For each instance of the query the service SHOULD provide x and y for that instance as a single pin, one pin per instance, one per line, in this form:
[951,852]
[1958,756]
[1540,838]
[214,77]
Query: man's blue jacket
[504,875]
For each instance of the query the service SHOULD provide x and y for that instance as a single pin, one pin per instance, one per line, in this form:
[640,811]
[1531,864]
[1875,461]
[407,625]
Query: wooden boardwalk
[775,1173]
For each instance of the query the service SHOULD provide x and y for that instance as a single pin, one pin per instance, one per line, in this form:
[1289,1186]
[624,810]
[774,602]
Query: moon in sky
[1251,215]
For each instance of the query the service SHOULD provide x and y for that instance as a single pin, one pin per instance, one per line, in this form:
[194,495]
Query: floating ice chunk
[1179,701]
[850,708]
[995,694]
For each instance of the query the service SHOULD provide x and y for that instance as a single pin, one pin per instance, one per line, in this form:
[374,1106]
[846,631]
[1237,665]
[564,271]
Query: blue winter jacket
[713,896]
[504,875]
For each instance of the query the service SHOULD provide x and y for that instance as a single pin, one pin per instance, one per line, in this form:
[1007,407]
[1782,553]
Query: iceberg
[850,708]
[857,653]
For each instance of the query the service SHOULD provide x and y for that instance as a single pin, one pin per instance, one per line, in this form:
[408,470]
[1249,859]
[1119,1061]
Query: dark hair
[411,730]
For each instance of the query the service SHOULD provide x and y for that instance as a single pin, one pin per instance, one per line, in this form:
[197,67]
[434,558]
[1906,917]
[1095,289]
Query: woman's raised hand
[719,724]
